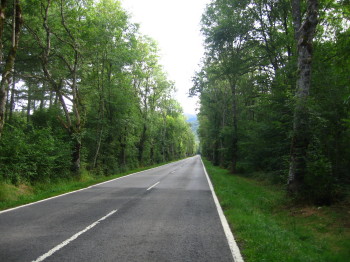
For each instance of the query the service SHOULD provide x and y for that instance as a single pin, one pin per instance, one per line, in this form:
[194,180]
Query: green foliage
[29,155]
[318,182]
[247,84]
[89,94]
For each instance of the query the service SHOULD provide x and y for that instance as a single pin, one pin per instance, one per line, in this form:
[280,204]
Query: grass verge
[12,196]
[269,228]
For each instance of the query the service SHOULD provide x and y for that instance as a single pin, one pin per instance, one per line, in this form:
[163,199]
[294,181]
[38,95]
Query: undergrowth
[270,228]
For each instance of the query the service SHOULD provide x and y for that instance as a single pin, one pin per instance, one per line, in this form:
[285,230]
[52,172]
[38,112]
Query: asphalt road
[163,214]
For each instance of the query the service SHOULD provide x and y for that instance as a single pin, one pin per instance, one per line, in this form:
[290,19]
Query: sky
[175,26]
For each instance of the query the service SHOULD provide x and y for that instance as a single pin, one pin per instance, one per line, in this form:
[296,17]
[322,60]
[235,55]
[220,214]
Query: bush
[319,184]
[29,155]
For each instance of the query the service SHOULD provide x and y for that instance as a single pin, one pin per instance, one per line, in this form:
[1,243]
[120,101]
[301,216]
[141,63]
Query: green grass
[269,228]
[12,196]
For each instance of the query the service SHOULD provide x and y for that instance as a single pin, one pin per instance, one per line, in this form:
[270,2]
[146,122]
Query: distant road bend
[162,214]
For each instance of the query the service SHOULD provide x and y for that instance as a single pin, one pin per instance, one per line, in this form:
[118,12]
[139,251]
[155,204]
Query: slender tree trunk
[76,155]
[2,23]
[142,144]
[221,138]
[2,104]
[164,138]
[76,130]
[122,160]
[152,153]
[101,115]
[50,99]
[7,103]
[301,129]
[123,142]
[98,146]
[215,153]
[235,127]
[56,99]
[29,103]
[42,96]
[12,99]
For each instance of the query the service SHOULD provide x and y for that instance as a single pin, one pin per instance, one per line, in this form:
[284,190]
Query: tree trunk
[301,128]
[296,14]
[122,140]
[12,99]
[29,103]
[215,156]
[142,144]
[76,155]
[42,96]
[152,153]
[101,112]
[163,139]
[98,146]
[235,127]
[2,23]
[7,103]
[50,99]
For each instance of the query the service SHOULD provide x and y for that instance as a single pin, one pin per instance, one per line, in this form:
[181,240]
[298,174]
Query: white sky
[175,25]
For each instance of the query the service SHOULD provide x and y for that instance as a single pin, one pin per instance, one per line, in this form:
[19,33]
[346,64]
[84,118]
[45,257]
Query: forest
[274,92]
[82,90]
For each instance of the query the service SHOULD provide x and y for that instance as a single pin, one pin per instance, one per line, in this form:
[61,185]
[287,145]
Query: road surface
[163,214]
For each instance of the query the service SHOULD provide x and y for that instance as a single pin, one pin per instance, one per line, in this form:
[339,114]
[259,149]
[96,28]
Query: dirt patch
[24,189]
[305,211]
[336,215]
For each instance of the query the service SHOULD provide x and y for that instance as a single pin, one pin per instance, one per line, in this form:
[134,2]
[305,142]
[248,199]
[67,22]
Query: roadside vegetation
[82,92]
[274,124]
[275,95]
[267,227]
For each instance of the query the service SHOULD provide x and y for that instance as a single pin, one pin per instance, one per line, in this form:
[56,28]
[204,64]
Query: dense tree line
[274,92]
[81,88]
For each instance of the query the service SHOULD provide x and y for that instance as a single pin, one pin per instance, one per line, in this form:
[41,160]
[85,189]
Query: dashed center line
[66,242]
[153,186]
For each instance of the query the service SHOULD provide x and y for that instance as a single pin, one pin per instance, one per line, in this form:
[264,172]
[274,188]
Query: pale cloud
[175,25]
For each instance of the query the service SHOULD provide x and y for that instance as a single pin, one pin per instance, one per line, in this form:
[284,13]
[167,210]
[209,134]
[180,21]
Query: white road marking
[66,242]
[153,186]
[237,257]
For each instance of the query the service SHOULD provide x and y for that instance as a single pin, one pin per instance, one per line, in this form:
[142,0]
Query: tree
[304,35]
[258,111]
[88,92]
[227,26]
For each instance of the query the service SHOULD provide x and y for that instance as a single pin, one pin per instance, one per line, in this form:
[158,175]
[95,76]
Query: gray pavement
[164,214]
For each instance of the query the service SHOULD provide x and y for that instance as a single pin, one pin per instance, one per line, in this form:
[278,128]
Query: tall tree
[304,35]
[229,30]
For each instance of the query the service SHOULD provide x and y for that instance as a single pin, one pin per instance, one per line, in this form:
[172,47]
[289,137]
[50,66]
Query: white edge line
[46,199]
[75,236]
[153,186]
[237,257]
